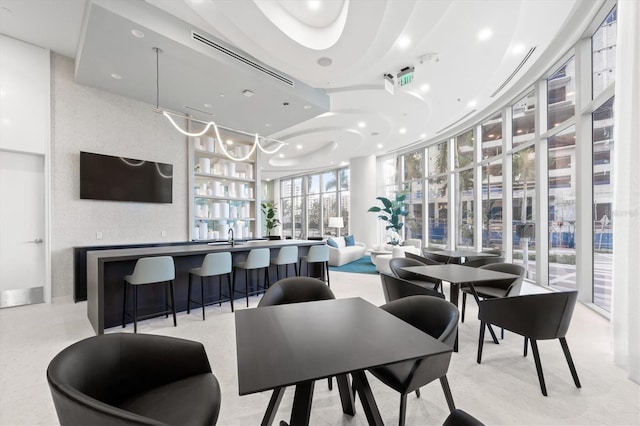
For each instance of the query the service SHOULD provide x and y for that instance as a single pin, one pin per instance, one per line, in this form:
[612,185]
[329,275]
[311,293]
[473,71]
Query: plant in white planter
[391,212]
[270,211]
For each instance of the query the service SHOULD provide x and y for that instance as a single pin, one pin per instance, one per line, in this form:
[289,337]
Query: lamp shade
[336,222]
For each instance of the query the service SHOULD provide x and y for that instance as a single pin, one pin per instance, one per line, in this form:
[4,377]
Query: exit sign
[405,76]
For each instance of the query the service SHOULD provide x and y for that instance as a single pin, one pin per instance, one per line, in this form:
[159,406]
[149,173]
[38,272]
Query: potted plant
[391,212]
[270,210]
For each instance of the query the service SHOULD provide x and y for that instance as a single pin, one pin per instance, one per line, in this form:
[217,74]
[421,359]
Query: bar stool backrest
[258,258]
[287,255]
[318,253]
[152,270]
[216,264]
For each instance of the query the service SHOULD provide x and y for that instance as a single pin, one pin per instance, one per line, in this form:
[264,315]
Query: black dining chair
[477,262]
[461,418]
[440,258]
[396,288]
[421,259]
[295,290]
[439,319]
[536,317]
[134,379]
[396,264]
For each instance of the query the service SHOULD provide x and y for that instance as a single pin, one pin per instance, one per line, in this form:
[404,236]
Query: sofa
[382,261]
[344,253]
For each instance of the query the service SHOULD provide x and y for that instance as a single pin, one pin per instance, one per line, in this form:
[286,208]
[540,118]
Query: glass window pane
[297,186]
[603,45]
[329,181]
[492,205]
[524,119]
[561,94]
[414,220]
[389,171]
[464,203]
[344,211]
[413,165]
[287,217]
[492,137]
[344,179]
[285,188]
[313,184]
[562,209]
[464,149]
[329,209]
[298,224]
[603,145]
[313,216]
[524,212]
[438,161]
[438,211]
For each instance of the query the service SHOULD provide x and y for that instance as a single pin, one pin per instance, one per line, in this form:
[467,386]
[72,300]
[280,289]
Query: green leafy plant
[270,210]
[391,212]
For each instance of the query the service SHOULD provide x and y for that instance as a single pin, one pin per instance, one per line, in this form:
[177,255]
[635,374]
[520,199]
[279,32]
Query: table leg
[454,292]
[361,385]
[346,396]
[272,408]
[302,399]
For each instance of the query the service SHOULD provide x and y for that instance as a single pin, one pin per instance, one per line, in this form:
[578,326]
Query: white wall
[92,120]
[24,96]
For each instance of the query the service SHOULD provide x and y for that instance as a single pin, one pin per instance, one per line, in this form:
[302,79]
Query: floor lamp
[336,222]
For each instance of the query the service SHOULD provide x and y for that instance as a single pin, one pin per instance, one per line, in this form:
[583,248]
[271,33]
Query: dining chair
[440,258]
[422,259]
[396,265]
[477,262]
[461,418]
[396,288]
[294,290]
[214,264]
[545,316]
[134,379]
[439,319]
[150,270]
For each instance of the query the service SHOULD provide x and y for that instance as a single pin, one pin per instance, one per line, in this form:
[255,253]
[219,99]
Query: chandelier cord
[157,49]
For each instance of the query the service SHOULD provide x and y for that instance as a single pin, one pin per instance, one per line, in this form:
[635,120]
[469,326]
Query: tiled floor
[503,390]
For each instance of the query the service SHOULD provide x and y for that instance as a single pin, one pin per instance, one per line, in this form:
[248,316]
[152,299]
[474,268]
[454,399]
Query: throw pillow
[332,243]
[350,240]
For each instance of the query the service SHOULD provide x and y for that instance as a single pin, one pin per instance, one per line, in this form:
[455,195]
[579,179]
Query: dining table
[458,256]
[299,343]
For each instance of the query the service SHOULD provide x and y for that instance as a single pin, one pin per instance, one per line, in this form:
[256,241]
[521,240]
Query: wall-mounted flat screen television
[105,177]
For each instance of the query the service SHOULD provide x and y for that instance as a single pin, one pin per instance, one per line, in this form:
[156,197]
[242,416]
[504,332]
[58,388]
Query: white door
[22,227]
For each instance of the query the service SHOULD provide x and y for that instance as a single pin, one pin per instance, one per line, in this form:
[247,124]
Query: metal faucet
[230,231]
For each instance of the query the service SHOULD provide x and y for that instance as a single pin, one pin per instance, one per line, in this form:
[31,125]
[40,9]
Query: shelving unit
[223,193]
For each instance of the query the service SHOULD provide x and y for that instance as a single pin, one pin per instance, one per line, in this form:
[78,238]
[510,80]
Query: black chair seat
[174,402]
[461,418]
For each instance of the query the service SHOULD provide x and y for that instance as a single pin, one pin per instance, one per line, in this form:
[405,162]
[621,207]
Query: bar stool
[318,254]
[257,259]
[286,256]
[150,270]
[213,264]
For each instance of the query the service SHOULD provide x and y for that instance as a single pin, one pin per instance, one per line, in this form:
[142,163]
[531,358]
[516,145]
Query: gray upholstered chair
[134,379]
[214,264]
[318,254]
[258,259]
[286,256]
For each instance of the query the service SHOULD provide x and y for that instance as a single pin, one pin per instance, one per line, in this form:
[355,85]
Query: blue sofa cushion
[332,243]
[350,240]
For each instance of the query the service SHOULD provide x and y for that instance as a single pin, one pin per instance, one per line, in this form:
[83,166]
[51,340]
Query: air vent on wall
[513,74]
[456,122]
[200,38]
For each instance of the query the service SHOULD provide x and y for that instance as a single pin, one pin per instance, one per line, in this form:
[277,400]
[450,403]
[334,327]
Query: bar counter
[106,270]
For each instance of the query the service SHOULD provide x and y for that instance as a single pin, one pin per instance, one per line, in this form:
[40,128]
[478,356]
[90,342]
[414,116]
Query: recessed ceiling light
[344,163]
[208,105]
[313,4]
[298,146]
[116,76]
[137,33]
[307,107]
[281,155]
[380,145]
[472,104]
[248,93]
[423,135]
[403,130]
[267,125]
[229,142]
[425,87]
[517,49]
[485,34]
[404,42]
[362,124]
[324,61]
[222,95]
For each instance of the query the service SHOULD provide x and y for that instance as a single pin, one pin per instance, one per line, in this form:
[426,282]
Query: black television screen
[105,177]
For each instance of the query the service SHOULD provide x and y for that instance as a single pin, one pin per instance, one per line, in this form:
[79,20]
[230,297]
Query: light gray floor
[503,390]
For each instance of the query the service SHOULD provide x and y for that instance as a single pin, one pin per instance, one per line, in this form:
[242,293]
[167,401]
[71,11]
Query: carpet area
[361,266]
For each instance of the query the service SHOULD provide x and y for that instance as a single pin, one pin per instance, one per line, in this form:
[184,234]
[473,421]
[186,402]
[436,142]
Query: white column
[362,188]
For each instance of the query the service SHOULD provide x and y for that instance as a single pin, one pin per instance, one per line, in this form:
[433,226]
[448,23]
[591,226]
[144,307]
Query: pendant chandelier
[260,142]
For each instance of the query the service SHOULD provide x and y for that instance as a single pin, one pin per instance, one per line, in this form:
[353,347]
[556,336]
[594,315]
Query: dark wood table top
[288,344]
[458,273]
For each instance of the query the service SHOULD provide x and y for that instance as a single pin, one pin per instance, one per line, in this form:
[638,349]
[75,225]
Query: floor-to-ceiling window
[491,145]
[413,186]
[465,191]
[438,196]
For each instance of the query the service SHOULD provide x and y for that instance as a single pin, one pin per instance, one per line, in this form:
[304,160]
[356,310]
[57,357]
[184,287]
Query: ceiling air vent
[456,122]
[220,48]
[513,74]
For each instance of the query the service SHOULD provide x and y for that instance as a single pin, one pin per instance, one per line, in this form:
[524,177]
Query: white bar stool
[151,270]
[257,259]
[286,256]
[214,264]
[318,254]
